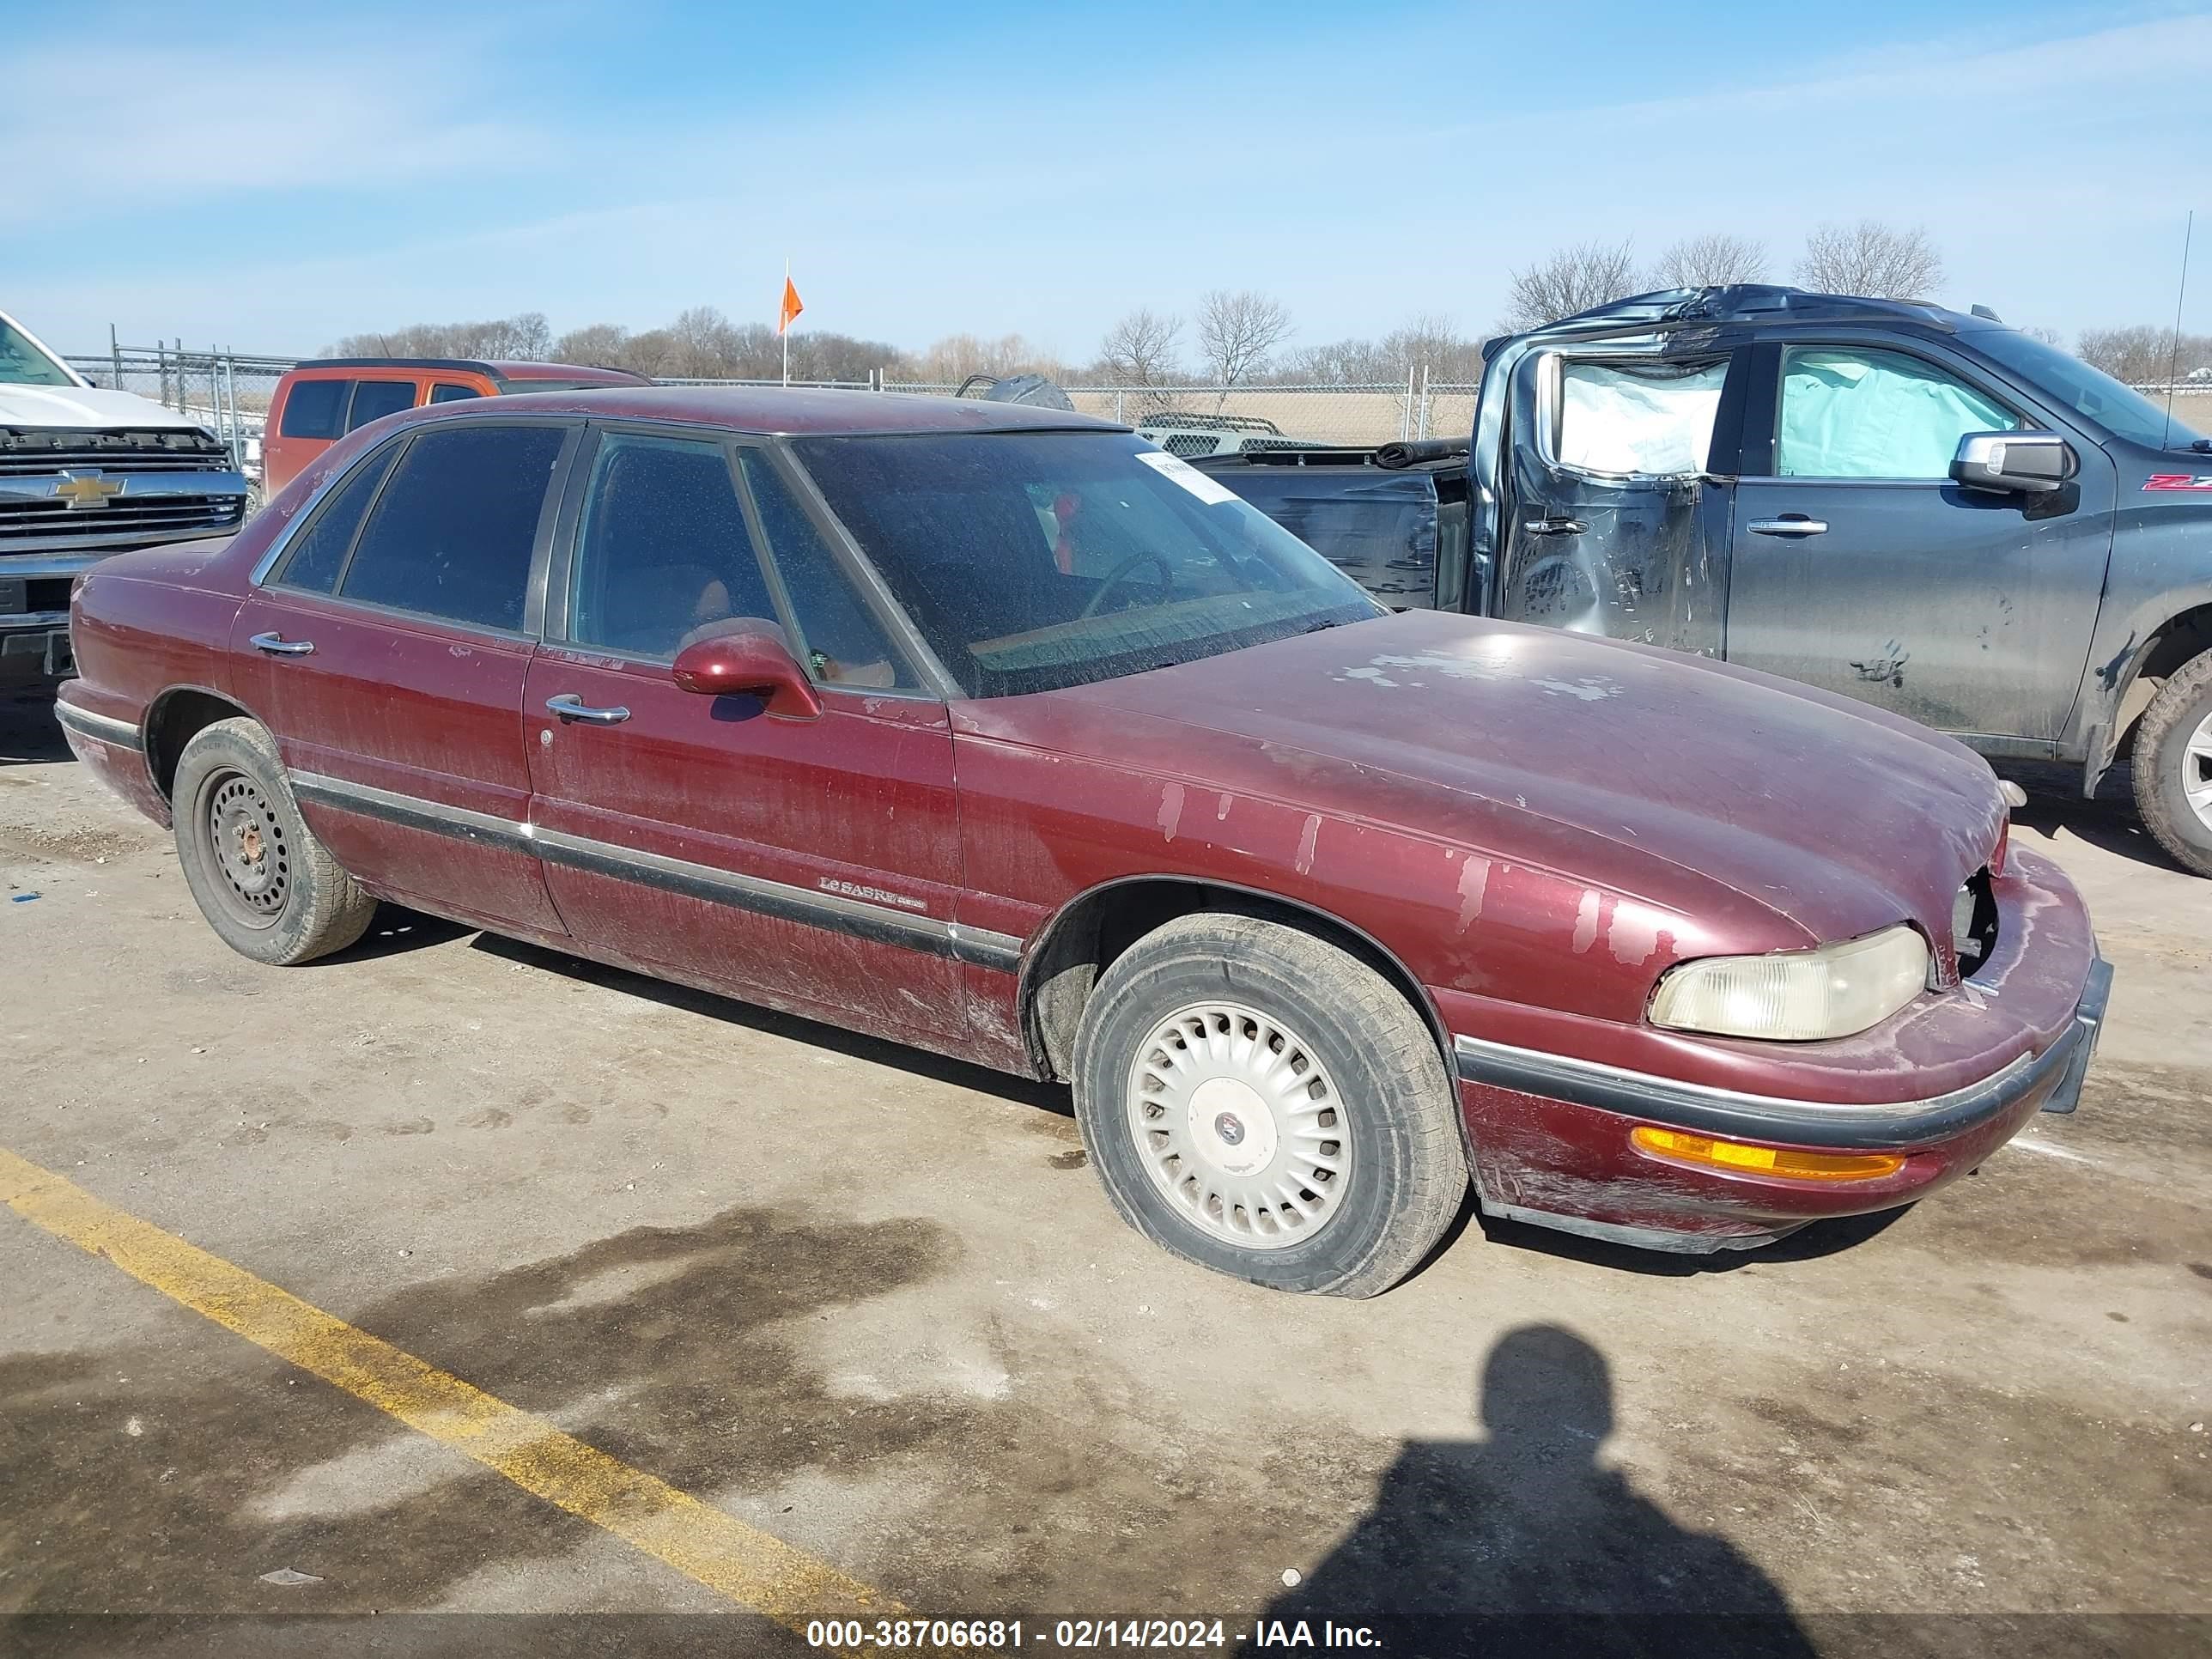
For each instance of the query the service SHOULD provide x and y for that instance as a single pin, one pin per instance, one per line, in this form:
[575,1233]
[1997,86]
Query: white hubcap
[2197,771]
[1238,1124]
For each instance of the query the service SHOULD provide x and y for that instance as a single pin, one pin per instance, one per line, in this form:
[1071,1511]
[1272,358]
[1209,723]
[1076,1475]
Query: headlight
[1797,996]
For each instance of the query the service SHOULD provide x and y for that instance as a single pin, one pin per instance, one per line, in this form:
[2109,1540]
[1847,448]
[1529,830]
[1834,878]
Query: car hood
[85,406]
[1655,773]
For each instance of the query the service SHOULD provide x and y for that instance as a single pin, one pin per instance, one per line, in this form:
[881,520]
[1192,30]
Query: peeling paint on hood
[1528,743]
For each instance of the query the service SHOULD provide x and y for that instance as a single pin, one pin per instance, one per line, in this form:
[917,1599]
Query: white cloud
[141,124]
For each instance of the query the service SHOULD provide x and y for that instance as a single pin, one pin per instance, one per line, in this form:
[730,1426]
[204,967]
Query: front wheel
[262,879]
[1263,1103]
[2174,766]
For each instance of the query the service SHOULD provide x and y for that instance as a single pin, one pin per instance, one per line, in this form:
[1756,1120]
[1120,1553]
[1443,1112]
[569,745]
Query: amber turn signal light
[1683,1148]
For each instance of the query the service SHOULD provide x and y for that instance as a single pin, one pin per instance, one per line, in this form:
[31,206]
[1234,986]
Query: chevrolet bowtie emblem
[88,486]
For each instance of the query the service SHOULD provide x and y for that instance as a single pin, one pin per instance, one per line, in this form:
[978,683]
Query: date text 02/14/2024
[1011,1635]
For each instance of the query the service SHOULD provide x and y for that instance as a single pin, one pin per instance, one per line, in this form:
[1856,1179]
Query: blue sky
[273,177]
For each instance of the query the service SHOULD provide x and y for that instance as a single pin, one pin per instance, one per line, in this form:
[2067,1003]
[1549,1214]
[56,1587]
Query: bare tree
[522,337]
[1570,279]
[1872,259]
[1424,341]
[1141,349]
[1713,260]
[1238,332]
[954,358]
[595,344]
[2147,353]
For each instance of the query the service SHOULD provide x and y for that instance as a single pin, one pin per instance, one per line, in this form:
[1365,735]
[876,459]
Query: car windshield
[2090,392]
[22,363]
[1032,561]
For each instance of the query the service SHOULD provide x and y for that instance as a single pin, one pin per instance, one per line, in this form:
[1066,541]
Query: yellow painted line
[754,1569]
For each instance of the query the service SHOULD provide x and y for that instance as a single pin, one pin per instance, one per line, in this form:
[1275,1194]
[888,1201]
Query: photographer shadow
[1524,1543]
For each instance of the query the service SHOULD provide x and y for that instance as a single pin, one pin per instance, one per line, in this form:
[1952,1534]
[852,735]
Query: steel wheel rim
[2197,771]
[1239,1126]
[247,848]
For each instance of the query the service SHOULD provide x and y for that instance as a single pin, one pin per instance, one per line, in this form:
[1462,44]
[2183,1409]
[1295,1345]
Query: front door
[810,864]
[1609,521]
[387,651]
[1858,566]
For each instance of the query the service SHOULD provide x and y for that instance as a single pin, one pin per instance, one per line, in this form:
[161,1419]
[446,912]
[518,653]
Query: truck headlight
[1797,996]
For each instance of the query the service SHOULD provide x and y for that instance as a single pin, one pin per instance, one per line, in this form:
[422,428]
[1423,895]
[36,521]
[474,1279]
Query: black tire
[2165,769]
[1406,1173]
[266,885]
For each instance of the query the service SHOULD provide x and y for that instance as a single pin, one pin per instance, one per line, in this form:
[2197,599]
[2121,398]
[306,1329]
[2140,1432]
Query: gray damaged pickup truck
[85,472]
[1926,511]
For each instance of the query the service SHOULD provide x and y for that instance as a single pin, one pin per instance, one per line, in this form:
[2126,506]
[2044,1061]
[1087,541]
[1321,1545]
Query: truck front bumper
[1550,1136]
[35,645]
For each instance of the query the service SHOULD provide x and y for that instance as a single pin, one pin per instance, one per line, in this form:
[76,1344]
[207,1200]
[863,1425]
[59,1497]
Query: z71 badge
[2178,481]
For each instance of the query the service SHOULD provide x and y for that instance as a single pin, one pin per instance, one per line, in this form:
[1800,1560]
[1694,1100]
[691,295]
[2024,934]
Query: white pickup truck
[85,472]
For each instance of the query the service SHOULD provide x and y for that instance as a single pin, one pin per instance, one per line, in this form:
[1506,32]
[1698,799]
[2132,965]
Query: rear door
[811,865]
[386,648]
[1859,567]
[1611,522]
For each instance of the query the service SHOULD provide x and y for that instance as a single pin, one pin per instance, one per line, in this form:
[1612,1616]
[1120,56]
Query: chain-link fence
[229,392]
[226,391]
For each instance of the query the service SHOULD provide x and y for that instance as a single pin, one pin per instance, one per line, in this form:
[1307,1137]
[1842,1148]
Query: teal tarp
[1850,414]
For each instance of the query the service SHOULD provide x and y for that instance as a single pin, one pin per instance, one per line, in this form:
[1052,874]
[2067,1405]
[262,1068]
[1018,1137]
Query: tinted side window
[315,408]
[840,640]
[452,532]
[1849,412]
[662,552]
[319,551]
[445,391]
[374,399]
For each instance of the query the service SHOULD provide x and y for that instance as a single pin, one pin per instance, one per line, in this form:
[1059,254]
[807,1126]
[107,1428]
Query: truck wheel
[2174,766]
[1266,1104]
[262,879]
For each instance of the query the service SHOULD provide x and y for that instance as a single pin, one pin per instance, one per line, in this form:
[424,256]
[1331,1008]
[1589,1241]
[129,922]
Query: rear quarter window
[315,408]
[319,551]
[445,391]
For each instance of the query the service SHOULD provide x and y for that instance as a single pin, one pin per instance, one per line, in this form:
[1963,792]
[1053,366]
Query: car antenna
[2173,363]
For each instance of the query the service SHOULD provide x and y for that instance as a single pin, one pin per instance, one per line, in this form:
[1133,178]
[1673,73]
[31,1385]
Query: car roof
[1745,305]
[778,411]
[496,369]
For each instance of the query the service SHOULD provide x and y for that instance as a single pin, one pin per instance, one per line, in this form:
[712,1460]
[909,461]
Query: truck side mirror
[2014,463]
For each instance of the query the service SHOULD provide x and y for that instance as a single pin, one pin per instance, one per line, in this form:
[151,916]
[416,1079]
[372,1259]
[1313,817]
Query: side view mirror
[747,657]
[2014,463]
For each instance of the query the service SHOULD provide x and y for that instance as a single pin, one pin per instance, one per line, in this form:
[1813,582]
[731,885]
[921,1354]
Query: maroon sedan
[999,731]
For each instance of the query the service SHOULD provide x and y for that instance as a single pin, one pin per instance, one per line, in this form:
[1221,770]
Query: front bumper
[1549,1136]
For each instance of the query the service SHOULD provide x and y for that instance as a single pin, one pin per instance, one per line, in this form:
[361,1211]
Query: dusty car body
[995,778]
[1801,484]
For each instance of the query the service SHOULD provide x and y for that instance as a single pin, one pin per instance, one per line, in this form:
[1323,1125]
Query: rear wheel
[1266,1104]
[264,882]
[2174,766]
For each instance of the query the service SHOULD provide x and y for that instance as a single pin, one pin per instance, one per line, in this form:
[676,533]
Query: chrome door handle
[1554,526]
[570,707]
[277,646]
[1788,525]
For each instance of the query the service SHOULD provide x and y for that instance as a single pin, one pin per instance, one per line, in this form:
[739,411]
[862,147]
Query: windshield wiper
[1315,627]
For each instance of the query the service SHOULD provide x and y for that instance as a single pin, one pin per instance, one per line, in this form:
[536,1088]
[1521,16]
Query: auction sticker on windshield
[1174,466]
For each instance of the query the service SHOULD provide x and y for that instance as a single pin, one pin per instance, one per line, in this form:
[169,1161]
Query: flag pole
[784,331]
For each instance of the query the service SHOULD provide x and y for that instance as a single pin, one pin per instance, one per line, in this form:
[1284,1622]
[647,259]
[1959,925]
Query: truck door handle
[1555,527]
[570,707]
[277,646]
[1790,524]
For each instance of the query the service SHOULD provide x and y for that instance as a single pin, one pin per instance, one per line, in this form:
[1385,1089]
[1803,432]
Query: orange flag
[789,314]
